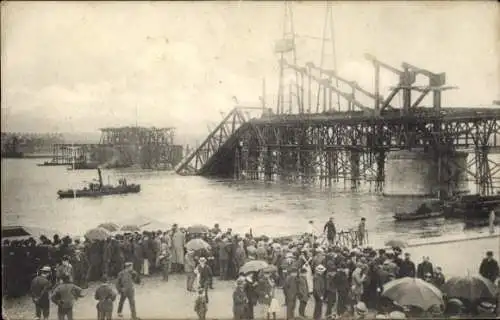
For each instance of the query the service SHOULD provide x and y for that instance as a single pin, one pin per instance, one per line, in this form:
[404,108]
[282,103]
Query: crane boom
[352,84]
[327,83]
[383,64]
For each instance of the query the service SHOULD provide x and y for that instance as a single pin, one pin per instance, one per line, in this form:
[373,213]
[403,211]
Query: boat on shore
[472,207]
[480,223]
[99,189]
[429,209]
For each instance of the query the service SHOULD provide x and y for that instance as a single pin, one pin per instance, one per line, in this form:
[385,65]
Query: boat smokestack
[100,177]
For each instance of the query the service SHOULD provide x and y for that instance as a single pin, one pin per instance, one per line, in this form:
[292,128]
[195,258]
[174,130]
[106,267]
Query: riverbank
[156,299]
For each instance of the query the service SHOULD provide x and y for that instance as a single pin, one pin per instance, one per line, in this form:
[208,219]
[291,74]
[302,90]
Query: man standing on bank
[105,295]
[40,287]
[64,296]
[125,286]
[331,231]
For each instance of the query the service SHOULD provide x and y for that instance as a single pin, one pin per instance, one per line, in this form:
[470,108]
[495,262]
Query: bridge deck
[355,117]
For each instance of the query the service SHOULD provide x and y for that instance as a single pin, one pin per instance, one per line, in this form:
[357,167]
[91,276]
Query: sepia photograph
[250,160]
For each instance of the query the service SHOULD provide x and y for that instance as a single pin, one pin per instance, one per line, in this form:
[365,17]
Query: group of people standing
[337,280]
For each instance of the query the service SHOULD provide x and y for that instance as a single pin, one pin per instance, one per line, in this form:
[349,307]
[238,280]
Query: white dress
[309,276]
[274,306]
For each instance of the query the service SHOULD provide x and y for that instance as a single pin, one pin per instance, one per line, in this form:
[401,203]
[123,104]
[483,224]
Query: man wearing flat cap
[40,287]
[205,275]
[105,295]
[240,300]
[319,291]
[291,289]
[489,267]
[330,231]
[125,286]
[407,268]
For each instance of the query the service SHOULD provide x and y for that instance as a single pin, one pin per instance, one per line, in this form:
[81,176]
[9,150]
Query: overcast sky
[77,66]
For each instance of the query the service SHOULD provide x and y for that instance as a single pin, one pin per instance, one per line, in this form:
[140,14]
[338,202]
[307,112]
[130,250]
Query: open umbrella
[251,249]
[198,228]
[396,243]
[471,288]
[253,266]
[110,226]
[130,228]
[270,269]
[197,244]
[97,234]
[413,292]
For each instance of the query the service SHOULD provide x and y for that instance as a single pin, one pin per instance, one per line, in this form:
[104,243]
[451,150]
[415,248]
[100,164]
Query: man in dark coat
[105,295]
[424,268]
[407,268]
[106,258]
[240,300]
[252,296]
[206,276]
[94,256]
[341,280]
[331,290]
[303,292]
[64,296]
[291,291]
[319,291]
[138,251]
[223,255]
[40,287]
[125,286]
[489,267]
[330,230]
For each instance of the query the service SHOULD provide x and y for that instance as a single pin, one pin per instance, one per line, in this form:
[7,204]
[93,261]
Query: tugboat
[428,209]
[99,189]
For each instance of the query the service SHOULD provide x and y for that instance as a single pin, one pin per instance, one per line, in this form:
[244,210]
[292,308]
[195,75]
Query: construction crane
[286,45]
[328,26]
[406,78]
[353,84]
[327,84]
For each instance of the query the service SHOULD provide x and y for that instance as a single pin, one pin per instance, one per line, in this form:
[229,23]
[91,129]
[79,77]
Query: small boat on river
[428,209]
[99,189]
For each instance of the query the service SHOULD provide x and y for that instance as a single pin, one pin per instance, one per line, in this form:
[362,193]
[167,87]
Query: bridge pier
[419,173]
[380,157]
[354,160]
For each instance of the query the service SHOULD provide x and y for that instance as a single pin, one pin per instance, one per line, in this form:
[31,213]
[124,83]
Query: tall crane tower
[286,48]
[328,40]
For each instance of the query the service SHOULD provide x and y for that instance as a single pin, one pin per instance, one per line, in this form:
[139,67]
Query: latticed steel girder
[365,136]
[355,148]
[207,152]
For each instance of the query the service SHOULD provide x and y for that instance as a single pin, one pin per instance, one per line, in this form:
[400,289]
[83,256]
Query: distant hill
[81,137]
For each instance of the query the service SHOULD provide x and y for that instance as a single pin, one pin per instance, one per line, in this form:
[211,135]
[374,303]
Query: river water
[29,198]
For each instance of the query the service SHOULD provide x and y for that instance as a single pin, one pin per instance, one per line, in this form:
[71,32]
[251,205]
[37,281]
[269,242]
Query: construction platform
[147,148]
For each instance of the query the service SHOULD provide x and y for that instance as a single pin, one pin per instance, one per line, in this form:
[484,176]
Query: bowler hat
[45,269]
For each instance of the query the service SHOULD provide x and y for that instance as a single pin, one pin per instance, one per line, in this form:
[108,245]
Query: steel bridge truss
[314,142]
[325,151]
[218,141]
[149,147]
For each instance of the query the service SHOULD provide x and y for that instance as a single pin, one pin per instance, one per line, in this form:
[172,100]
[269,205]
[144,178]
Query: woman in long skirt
[274,305]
